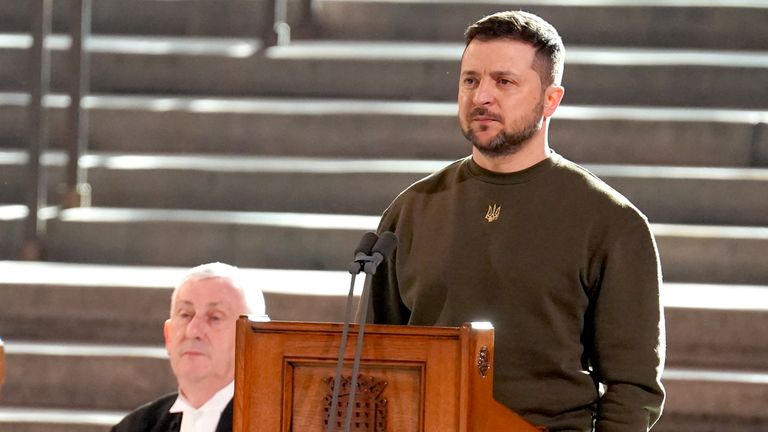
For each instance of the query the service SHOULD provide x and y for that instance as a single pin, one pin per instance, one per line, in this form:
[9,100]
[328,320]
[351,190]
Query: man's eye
[505,82]
[469,81]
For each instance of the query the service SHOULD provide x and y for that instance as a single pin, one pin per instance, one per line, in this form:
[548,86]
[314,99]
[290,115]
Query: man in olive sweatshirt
[563,266]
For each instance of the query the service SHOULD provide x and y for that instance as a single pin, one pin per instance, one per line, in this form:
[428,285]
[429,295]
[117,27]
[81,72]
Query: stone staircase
[203,148]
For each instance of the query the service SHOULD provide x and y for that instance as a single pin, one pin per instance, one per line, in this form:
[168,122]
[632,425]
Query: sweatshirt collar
[479,173]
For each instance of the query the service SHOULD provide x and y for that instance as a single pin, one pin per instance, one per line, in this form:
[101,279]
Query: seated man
[200,339]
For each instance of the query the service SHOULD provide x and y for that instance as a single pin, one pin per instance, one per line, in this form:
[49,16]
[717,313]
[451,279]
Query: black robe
[154,417]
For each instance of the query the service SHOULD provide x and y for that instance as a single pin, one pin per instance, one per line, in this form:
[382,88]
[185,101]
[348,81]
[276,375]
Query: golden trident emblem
[493,213]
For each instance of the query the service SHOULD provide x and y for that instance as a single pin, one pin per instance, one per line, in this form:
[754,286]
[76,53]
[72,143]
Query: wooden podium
[412,379]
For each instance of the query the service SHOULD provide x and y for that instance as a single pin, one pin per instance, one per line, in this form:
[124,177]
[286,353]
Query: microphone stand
[342,350]
[367,259]
[358,349]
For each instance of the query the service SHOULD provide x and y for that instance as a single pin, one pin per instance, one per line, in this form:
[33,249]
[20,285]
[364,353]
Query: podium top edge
[370,329]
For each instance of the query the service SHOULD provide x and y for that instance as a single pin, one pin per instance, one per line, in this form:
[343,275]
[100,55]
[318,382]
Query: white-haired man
[200,340]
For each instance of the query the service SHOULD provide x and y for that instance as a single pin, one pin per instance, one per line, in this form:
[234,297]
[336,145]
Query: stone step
[185,237]
[714,401]
[618,22]
[22,419]
[85,376]
[690,195]
[713,254]
[69,376]
[425,130]
[691,23]
[12,228]
[400,71]
[47,420]
[311,241]
[708,326]
[76,302]
[716,326]
[712,195]
[178,17]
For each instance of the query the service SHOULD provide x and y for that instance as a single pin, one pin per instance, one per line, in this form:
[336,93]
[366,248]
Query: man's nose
[195,327]
[483,93]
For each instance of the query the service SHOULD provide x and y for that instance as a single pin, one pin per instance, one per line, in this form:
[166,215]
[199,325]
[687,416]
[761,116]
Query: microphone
[371,251]
[383,249]
[363,252]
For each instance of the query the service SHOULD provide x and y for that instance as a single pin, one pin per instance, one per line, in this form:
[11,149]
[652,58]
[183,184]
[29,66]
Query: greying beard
[503,144]
[507,143]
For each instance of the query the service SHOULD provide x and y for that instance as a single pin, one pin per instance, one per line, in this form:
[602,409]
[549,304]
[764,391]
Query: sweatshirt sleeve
[629,332]
[387,306]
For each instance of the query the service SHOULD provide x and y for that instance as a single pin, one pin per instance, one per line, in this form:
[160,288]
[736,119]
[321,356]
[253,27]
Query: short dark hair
[529,28]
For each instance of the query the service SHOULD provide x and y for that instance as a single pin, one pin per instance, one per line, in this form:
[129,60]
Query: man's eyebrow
[493,73]
[217,305]
[504,72]
[208,305]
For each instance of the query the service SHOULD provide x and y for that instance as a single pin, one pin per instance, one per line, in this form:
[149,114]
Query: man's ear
[167,330]
[553,95]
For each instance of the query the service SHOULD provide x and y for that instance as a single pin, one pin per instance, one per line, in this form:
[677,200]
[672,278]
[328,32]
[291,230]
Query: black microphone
[362,256]
[371,251]
[383,249]
[363,252]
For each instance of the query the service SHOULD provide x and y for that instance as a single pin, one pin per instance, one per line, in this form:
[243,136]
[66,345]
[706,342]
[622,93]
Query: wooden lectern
[412,379]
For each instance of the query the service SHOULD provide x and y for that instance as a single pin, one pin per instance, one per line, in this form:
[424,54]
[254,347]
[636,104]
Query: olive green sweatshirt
[564,267]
